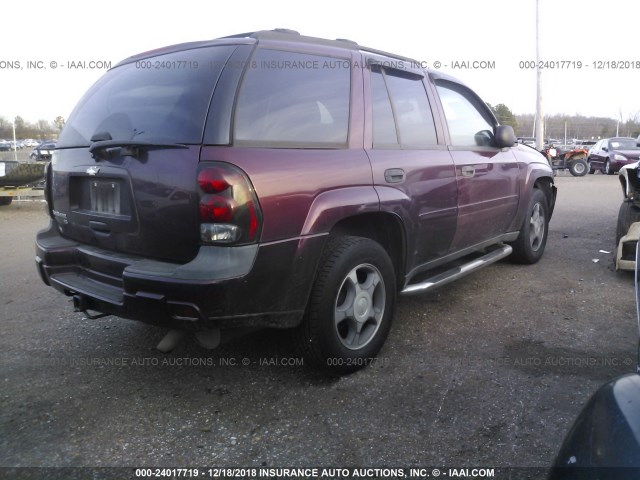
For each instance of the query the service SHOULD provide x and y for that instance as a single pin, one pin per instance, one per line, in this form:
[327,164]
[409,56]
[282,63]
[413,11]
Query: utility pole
[539,111]
[15,144]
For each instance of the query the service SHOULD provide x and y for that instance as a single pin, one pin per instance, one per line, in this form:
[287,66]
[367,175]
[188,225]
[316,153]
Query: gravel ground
[487,372]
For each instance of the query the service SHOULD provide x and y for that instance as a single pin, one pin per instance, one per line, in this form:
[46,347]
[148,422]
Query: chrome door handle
[394,175]
[468,171]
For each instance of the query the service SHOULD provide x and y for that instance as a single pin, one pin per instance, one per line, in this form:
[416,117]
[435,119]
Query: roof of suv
[279,34]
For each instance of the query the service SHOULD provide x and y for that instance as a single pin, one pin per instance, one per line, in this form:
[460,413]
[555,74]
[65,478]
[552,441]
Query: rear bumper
[225,287]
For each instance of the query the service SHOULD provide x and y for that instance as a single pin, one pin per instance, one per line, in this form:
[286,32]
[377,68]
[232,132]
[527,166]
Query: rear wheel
[351,306]
[529,246]
[578,168]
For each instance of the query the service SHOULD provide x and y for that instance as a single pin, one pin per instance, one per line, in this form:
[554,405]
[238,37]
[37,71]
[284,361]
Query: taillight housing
[229,210]
[48,187]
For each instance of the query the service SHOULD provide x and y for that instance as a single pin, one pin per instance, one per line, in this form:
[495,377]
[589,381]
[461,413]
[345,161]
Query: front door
[487,176]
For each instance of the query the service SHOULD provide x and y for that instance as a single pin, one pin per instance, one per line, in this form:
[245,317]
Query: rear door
[413,171]
[487,176]
[596,157]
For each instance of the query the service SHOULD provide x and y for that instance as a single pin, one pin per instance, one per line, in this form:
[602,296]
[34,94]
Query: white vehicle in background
[628,226]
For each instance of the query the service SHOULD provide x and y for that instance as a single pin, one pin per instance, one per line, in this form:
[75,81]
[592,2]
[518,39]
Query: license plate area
[105,197]
[100,197]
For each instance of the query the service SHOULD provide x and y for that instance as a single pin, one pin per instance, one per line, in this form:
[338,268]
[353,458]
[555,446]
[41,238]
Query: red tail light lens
[211,180]
[229,210]
[214,208]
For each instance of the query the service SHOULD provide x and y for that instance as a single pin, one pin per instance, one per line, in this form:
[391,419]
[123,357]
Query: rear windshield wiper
[103,149]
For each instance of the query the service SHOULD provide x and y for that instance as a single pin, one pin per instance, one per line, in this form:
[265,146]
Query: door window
[401,111]
[469,123]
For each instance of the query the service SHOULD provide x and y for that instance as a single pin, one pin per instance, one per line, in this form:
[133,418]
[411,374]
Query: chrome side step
[458,272]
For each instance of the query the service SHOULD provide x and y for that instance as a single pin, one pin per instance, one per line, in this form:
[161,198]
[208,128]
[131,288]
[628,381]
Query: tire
[351,306]
[591,169]
[627,215]
[578,168]
[529,247]
[5,201]
[607,168]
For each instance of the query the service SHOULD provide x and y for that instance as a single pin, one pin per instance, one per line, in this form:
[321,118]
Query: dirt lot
[486,372]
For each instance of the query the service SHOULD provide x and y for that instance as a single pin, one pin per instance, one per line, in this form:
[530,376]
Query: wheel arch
[384,228]
[549,189]
[624,182]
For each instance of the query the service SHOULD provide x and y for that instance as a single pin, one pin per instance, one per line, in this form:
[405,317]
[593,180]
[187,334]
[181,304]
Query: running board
[458,272]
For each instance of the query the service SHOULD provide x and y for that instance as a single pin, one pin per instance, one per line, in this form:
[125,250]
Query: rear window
[293,99]
[164,98]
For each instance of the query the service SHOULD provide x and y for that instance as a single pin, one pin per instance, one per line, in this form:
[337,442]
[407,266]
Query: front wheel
[529,246]
[578,168]
[351,306]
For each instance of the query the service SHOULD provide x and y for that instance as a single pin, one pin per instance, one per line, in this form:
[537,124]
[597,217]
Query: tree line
[40,130]
[577,126]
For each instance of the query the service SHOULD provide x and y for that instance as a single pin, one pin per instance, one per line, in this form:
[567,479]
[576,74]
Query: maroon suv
[276,180]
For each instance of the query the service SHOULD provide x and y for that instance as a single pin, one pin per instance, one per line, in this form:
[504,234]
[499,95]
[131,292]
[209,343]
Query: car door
[486,176]
[596,156]
[413,172]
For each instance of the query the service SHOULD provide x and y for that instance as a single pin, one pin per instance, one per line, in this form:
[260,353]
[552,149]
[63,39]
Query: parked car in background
[529,141]
[30,142]
[43,152]
[296,183]
[5,146]
[609,155]
[584,144]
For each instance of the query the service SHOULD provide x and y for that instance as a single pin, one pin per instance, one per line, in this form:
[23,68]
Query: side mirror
[605,149]
[505,137]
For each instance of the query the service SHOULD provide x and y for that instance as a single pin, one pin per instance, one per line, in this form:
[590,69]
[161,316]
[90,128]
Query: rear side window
[163,98]
[399,98]
[293,99]
[468,121]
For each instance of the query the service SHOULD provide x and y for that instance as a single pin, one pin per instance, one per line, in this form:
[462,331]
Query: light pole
[539,110]
[15,143]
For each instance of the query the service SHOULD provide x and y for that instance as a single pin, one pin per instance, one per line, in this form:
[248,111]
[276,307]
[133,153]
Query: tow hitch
[81,304]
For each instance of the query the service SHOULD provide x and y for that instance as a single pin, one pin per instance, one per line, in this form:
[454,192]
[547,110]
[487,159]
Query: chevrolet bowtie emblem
[93,170]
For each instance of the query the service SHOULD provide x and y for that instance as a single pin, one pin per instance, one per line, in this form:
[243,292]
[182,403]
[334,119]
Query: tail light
[48,188]
[229,210]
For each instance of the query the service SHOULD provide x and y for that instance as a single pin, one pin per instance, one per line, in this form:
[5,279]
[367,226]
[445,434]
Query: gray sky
[498,31]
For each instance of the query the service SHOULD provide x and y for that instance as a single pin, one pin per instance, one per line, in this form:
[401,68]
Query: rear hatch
[124,171]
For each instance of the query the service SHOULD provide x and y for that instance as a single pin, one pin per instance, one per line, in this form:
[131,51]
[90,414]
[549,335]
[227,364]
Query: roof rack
[294,35]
